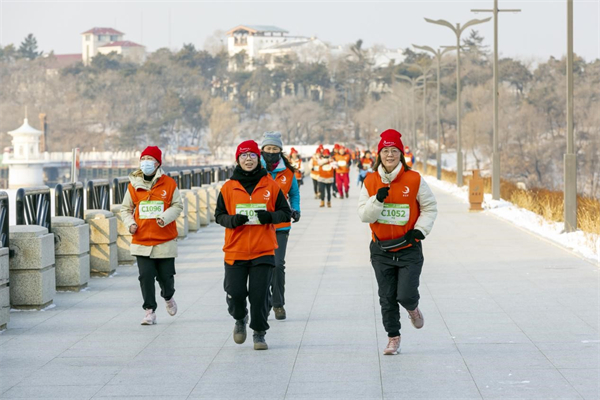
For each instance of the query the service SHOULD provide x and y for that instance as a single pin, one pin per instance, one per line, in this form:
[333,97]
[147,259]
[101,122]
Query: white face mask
[147,166]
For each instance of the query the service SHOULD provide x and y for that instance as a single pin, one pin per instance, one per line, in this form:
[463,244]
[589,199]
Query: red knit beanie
[154,152]
[390,138]
[249,146]
[326,152]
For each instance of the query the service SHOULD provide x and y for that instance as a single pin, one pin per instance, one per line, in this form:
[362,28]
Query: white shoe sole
[148,323]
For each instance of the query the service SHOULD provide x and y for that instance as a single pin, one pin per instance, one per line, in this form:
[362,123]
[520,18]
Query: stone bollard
[4,289]
[72,249]
[193,209]
[203,208]
[103,242]
[32,273]
[182,220]
[123,239]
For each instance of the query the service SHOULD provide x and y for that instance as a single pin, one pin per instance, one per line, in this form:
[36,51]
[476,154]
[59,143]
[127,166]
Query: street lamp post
[458,30]
[495,151]
[438,55]
[413,83]
[570,185]
[424,72]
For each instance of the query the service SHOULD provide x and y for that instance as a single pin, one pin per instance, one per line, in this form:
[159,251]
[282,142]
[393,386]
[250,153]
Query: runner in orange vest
[249,206]
[325,177]
[365,166]
[296,162]
[314,170]
[401,210]
[149,210]
[342,171]
[409,156]
[283,172]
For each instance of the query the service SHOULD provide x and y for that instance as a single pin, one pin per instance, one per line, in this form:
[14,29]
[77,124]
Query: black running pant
[160,269]
[278,280]
[322,188]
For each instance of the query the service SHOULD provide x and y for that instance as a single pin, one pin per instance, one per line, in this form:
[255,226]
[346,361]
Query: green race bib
[250,211]
[394,214]
[151,209]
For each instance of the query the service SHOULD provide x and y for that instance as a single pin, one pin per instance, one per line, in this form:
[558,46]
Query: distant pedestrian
[249,205]
[401,210]
[365,167]
[409,156]
[283,173]
[342,171]
[314,170]
[325,177]
[296,162]
[150,209]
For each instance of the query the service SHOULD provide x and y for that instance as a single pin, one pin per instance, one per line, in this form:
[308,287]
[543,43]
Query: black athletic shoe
[259,340]
[279,313]
[239,330]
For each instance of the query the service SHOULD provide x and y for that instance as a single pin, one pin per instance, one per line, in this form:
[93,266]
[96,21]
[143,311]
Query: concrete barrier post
[4,289]
[32,273]
[103,242]
[203,200]
[72,249]
[123,239]
[213,193]
[193,208]
[182,220]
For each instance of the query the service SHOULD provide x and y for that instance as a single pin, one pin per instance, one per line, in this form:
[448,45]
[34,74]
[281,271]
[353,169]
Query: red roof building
[103,31]
[122,43]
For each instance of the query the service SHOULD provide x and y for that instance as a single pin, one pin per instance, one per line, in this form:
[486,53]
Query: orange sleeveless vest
[403,190]
[148,232]
[285,179]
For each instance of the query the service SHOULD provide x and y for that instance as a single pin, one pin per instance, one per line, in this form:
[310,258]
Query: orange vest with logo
[314,172]
[148,232]
[403,190]
[298,165]
[343,169]
[326,171]
[248,242]
[284,179]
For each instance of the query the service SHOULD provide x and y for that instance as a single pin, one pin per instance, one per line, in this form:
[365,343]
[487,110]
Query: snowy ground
[586,245]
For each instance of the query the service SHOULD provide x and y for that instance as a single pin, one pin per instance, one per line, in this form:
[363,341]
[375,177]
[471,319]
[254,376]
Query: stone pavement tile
[26,357]
[89,350]
[338,363]
[61,375]
[274,389]
[248,371]
[466,303]
[484,328]
[516,355]
[368,390]
[12,375]
[160,397]
[51,392]
[572,355]
[335,332]
[430,387]
[153,386]
[173,373]
[185,354]
[246,354]
[91,361]
[497,382]
[189,339]
[585,381]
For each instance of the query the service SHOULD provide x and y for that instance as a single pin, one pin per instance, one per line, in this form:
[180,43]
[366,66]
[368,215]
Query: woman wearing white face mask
[401,210]
[149,210]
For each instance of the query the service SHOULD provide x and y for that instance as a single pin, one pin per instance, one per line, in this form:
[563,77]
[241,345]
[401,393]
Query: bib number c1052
[250,210]
[394,214]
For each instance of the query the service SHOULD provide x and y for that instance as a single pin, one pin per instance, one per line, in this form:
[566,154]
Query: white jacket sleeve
[369,208]
[176,208]
[127,210]
[428,205]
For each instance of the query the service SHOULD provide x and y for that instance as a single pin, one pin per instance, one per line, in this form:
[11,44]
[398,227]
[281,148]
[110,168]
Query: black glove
[383,193]
[264,217]
[295,216]
[239,220]
[413,234]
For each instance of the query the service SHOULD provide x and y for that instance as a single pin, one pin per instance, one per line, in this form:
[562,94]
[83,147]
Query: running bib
[316,168]
[151,209]
[250,211]
[342,163]
[394,214]
[327,167]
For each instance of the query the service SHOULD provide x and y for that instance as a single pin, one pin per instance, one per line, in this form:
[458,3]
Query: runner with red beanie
[401,210]
[249,206]
[149,210]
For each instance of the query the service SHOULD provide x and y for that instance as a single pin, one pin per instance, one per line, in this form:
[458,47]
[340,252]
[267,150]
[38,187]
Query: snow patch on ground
[586,245]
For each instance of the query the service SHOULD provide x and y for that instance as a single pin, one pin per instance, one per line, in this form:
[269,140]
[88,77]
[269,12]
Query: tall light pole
[424,72]
[495,150]
[458,30]
[438,55]
[413,83]
[570,185]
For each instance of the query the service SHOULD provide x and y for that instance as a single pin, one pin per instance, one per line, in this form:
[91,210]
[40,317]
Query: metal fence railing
[98,195]
[68,200]
[185,179]
[176,177]
[119,188]
[33,207]
[4,212]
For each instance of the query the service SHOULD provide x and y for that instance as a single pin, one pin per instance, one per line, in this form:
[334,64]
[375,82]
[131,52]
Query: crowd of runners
[258,205]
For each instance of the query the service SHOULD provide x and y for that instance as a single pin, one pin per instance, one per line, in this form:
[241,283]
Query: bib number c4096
[151,209]
[250,210]
[394,214]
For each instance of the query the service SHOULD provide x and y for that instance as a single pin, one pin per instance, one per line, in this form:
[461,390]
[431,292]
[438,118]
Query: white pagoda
[25,164]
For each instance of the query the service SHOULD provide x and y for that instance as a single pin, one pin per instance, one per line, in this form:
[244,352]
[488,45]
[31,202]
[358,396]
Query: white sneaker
[150,318]
[171,306]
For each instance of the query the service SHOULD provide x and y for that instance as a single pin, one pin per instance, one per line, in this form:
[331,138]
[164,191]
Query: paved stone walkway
[508,315]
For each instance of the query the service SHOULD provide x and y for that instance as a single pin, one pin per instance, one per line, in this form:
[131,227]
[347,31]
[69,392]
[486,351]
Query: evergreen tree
[28,48]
